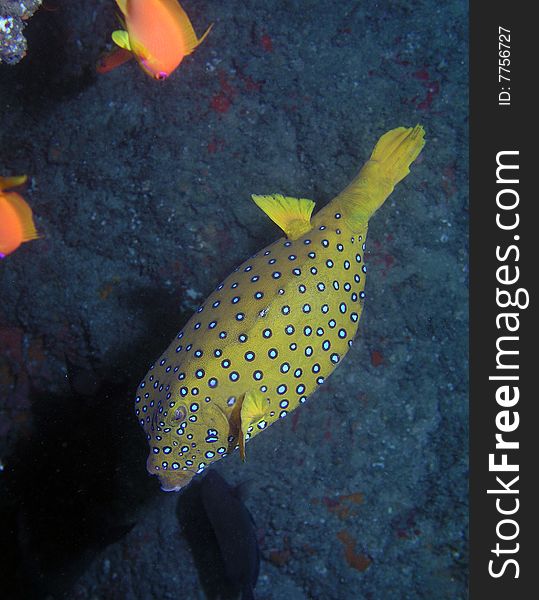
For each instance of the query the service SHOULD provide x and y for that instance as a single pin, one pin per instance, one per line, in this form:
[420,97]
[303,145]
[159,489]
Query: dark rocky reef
[13,13]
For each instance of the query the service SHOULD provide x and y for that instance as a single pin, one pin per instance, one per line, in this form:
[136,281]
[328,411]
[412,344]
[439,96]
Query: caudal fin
[390,162]
[397,149]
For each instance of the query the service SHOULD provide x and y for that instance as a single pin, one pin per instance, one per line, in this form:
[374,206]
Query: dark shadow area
[78,482]
[150,304]
[48,74]
[69,490]
[202,541]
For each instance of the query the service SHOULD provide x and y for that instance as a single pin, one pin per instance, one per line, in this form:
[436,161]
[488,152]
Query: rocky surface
[141,190]
[13,14]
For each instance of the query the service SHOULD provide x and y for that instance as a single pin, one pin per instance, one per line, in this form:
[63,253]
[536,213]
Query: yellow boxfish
[273,330]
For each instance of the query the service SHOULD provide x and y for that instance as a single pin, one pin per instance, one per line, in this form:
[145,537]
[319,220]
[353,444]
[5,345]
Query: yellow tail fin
[389,163]
[397,149]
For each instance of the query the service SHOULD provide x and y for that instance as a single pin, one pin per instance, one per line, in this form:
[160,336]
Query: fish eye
[161,75]
[180,413]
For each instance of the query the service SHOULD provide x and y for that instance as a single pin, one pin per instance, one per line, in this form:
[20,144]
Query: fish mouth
[174,481]
[170,480]
[170,488]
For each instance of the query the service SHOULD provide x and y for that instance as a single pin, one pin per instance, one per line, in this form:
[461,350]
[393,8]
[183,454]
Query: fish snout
[171,480]
[168,488]
[174,481]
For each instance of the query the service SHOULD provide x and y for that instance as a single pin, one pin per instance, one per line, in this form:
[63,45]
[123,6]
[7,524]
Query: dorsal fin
[254,408]
[190,40]
[122,5]
[293,215]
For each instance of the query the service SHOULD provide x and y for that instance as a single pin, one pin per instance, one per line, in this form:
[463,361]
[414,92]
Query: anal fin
[292,215]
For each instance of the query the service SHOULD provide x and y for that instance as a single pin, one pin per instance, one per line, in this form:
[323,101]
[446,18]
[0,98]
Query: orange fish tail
[24,216]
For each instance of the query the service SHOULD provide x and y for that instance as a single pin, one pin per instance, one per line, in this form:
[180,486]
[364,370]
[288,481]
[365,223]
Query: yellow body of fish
[274,330]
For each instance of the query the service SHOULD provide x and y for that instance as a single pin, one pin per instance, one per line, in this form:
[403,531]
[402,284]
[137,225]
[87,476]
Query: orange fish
[158,33]
[16,222]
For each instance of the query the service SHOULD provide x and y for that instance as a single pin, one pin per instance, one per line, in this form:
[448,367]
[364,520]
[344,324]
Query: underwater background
[141,190]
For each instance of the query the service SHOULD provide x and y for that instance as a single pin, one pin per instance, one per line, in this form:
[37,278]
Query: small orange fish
[158,33]
[16,222]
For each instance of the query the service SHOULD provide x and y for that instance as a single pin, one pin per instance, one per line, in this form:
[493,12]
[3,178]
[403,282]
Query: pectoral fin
[121,38]
[293,215]
[254,410]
